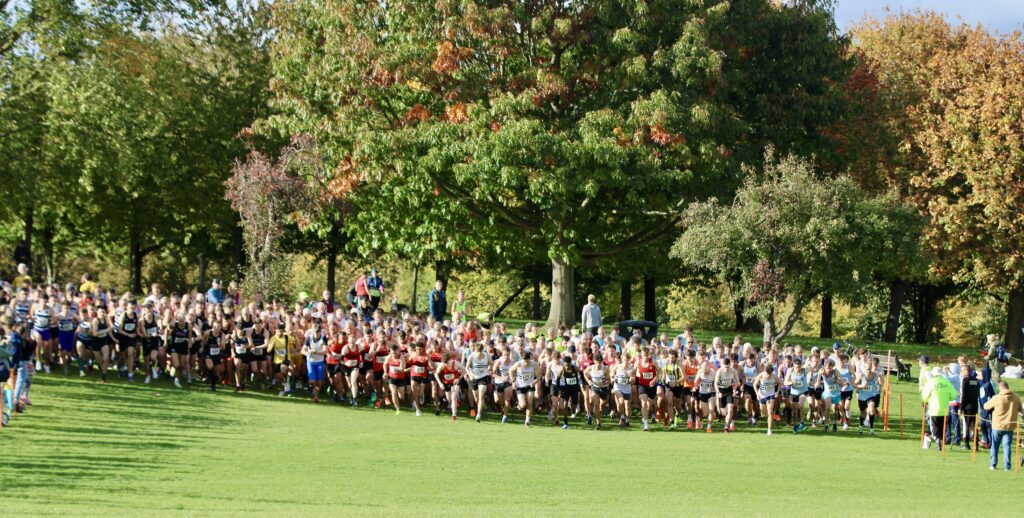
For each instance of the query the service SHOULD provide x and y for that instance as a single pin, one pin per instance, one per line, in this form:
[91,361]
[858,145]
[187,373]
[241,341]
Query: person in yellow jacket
[937,393]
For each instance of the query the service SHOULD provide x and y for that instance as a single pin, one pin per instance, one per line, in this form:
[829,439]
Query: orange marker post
[974,451]
[942,438]
[923,413]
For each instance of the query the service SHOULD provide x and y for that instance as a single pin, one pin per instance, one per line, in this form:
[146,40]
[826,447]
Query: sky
[1002,15]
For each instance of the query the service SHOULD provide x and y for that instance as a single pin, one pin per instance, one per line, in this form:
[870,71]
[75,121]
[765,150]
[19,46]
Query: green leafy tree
[791,234]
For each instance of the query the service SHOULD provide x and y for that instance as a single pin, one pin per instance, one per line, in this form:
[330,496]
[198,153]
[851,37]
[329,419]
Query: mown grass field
[86,448]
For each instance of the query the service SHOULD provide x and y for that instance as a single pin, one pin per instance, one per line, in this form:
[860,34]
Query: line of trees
[576,144]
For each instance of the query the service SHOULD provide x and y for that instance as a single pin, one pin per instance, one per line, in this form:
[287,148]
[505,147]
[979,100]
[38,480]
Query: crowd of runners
[355,353]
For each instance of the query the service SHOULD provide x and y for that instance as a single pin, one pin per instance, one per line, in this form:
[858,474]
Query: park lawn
[86,448]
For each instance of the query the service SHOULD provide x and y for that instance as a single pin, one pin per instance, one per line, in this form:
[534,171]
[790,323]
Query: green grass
[86,448]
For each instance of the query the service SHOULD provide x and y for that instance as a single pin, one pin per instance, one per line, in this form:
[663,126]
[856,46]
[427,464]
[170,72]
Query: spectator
[88,287]
[362,293]
[375,288]
[591,317]
[154,294]
[970,392]
[1004,407]
[438,301]
[23,279]
[214,295]
[937,393]
[234,294]
[986,391]
[328,300]
[996,355]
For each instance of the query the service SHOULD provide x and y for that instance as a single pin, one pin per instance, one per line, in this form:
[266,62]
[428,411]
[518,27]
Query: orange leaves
[450,57]
[655,134]
[456,113]
[663,138]
[345,179]
[417,113]
[495,126]
[381,76]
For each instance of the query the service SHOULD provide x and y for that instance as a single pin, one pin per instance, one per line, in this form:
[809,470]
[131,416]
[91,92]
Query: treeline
[583,146]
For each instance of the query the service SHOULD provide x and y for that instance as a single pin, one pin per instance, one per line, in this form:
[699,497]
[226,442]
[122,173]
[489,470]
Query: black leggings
[938,429]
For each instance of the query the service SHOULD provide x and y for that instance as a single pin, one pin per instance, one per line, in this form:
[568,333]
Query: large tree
[790,235]
[953,98]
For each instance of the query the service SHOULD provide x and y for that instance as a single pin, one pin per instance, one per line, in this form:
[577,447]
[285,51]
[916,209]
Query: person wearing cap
[375,288]
[1005,409]
[937,394]
[214,295]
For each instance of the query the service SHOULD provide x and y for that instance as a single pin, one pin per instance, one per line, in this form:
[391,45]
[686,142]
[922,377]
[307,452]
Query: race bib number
[214,351]
[648,375]
[570,381]
[419,369]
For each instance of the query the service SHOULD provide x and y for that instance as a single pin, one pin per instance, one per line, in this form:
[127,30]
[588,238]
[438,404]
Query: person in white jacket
[591,317]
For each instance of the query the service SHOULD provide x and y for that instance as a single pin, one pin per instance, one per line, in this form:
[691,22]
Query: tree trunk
[237,251]
[135,256]
[332,268]
[769,328]
[509,300]
[826,316]
[48,263]
[537,301]
[415,285]
[738,307]
[1014,340]
[897,291]
[563,288]
[626,300]
[650,304]
[203,262]
[23,253]
[441,273]
[925,299]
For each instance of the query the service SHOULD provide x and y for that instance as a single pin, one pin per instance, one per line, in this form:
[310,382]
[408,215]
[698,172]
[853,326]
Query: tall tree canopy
[956,95]
[577,129]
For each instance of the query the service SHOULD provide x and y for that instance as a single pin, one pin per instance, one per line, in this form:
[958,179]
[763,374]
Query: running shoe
[709,428]
[732,427]
[802,426]
[565,426]
[147,380]
[81,374]
[131,377]
[675,422]
[697,426]
[39,365]
[280,393]
[622,422]
[590,420]
[871,431]
[454,418]
[437,411]
[46,368]
[418,413]
[673,426]
[472,411]
[689,424]
[398,412]
[845,426]
[504,419]
[376,404]
[525,423]
[769,432]
[795,428]
[177,383]
[834,427]
[646,428]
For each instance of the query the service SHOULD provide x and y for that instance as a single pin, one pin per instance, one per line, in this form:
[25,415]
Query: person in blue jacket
[438,301]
